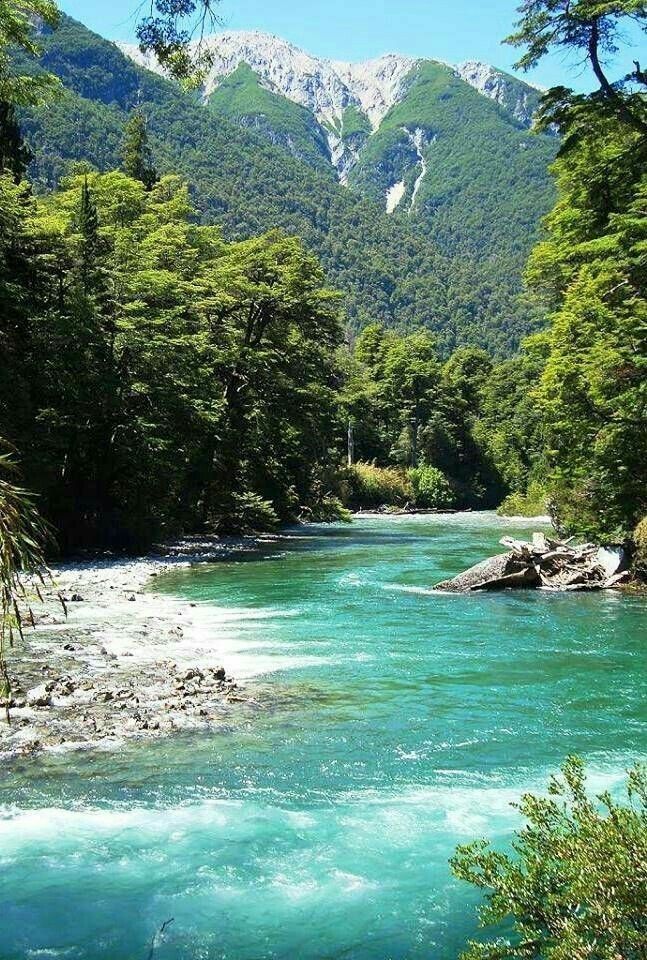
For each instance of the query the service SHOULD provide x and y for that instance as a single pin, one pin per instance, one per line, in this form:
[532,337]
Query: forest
[454,267]
[157,378]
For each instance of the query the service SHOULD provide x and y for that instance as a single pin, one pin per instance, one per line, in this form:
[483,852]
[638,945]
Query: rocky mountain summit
[349,101]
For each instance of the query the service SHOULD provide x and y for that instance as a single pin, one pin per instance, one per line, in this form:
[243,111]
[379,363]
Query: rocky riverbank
[109,659]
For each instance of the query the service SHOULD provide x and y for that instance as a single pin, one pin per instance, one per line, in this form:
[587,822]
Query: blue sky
[451,30]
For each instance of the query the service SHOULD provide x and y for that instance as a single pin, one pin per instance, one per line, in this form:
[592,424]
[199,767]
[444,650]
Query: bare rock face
[546,564]
[519,98]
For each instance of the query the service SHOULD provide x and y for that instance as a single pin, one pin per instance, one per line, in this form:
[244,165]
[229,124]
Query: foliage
[510,427]
[592,272]
[640,549]
[167,33]
[137,155]
[407,407]
[371,486]
[354,123]
[483,205]
[242,98]
[17,19]
[22,533]
[14,154]
[163,373]
[328,509]
[575,888]
[431,488]
[248,513]
[534,502]
[588,30]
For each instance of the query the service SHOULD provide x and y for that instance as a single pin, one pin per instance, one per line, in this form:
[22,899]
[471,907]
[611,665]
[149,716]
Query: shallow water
[403,723]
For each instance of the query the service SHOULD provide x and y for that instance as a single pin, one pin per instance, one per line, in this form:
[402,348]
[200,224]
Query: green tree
[170,378]
[590,275]
[14,154]
[17,19]
[277,327]
[575,887]
[510,426]
[410,382]
[174,31]
[137,156]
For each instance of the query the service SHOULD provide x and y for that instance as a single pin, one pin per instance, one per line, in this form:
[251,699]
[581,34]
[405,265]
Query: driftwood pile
[546,564]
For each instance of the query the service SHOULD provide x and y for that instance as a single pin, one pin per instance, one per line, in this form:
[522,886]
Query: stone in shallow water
[494,568]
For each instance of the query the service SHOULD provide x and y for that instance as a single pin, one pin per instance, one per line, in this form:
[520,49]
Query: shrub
[431,488]
[329,509]
[576,887]
[640,549]
[532,503]
[371,486]
[248,513]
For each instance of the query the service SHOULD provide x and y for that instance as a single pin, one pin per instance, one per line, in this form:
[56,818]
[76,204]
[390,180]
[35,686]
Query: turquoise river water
[396,723]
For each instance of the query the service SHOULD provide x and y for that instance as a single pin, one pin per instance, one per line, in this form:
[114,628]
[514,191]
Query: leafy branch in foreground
[592,31]
[174,31]
[22,533]
[17,32]
[576,886]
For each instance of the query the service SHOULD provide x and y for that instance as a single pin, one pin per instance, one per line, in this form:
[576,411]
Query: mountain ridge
[328,88]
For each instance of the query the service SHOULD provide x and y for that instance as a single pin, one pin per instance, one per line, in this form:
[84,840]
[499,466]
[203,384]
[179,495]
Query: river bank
[109,659]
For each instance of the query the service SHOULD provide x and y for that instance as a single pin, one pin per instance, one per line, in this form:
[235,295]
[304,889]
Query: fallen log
[544,564]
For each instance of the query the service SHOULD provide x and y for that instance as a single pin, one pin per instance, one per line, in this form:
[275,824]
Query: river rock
[492,569]
[40,696]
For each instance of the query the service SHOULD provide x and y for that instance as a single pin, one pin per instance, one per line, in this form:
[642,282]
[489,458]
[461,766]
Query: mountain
[345,99]
[448,145]
[419,185]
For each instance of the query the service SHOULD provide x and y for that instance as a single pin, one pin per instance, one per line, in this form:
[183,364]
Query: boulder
[494,568]
[40,696]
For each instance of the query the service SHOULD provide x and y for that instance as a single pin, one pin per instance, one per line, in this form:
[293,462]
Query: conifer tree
[14,153]
[88,227]
[136,152]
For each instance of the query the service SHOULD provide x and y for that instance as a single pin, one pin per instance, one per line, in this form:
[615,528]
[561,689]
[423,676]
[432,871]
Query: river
[401,722]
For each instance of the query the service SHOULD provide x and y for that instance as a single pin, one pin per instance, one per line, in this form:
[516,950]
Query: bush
[248,513]
[371,486]
[640,549]
[532,503]
[576,887]
[431,488]
[327,510]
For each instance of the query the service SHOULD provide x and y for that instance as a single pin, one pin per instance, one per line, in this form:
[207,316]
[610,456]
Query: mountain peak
[348,100]
[326,87]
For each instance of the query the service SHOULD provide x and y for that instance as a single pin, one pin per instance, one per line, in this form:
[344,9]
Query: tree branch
[607,88]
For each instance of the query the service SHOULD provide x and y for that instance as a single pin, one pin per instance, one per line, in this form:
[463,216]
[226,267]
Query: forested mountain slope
[449,258]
